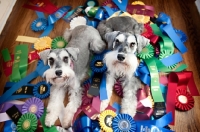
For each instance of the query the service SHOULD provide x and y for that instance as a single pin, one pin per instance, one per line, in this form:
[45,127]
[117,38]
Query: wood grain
[184,16]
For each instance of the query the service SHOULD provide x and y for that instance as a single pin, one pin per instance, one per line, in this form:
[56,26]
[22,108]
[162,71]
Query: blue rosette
[41,90]
[39,24]
[181,34]
[97,64]
[123,123]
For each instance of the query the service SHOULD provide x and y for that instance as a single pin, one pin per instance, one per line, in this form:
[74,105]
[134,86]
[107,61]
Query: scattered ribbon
[179,80]
[167,28]
[38,72]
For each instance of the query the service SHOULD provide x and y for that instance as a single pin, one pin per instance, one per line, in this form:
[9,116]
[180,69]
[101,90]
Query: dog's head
[61,64]
[123,46]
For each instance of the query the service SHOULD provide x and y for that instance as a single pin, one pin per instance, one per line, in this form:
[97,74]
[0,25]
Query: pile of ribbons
[167,84]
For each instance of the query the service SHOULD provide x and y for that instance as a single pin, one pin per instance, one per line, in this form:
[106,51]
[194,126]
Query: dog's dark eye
[65,59]
[117,41]
[132,44]
[51,61]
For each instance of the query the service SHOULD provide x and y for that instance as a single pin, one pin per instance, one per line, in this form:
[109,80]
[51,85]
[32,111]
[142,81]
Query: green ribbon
[45,128]
[155,84]
[147,52]
[6,55]
[20,64]
[166,43]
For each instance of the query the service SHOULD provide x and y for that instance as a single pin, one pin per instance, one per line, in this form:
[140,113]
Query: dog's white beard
[67,74]
[120,69]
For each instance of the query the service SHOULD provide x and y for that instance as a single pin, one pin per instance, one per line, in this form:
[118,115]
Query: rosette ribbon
[40,90]
[40,69]
[39,24]
[33,105]
[167,28]
[179,80]
[85,124]
[98,84]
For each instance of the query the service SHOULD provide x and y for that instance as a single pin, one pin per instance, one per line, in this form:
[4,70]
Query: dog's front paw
[50,119]
[67,122]
[104,105]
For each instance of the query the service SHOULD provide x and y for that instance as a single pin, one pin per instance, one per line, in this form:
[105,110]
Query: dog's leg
[55,104]
[75,99]
[129,100]
[109,87]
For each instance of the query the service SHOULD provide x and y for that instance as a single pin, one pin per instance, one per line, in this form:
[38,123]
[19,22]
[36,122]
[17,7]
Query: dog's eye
[65,59]
[132,44]
[51,61]
[117,41]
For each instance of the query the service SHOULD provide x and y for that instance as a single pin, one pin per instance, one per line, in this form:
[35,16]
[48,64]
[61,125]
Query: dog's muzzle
[120,57]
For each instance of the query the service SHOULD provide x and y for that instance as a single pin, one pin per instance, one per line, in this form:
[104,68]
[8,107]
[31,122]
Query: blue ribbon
[40,69]
[163,90]
[40,14]
[143,73]
[9,126]
[168,29]
[117,107]
[172,59]
[85,124]
[35,91]
[58,14]
[122,4]
[103,91]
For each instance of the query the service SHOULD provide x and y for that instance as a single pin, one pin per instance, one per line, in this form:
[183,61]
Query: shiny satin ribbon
[167,28]
[179,80]
[9,126]
[47,6]
[143,73]
[140,10]
[7,66]
[100,15]
[38,72]
[155,86]
[166,43]
[172,59]
[85,124]
[29,90]
[19,68]
[73,13]
[149,34]
[7,105]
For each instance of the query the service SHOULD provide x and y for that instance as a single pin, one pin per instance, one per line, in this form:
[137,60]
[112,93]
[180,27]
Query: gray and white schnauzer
[68,68]
[121,64]
[120,23]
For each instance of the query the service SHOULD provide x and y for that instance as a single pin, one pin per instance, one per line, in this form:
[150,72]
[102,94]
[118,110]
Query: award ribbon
[166,43]
[9,126]
[155,86]
[85,124]
[167,28]
[179,80]
[19,69]
[40,69]
[40,90]
[6,55]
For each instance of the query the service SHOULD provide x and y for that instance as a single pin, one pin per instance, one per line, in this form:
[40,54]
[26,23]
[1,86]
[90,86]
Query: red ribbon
[7,66]
[141,10]
[148,33]
[143,113]
[179,80]
[47,6]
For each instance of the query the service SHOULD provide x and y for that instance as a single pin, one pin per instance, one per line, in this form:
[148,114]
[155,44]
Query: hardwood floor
[184,16]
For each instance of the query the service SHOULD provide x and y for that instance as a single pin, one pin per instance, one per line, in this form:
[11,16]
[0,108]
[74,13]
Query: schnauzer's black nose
[120,57]
[58,72]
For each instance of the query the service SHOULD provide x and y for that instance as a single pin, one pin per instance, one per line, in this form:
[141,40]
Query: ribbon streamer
[179,80]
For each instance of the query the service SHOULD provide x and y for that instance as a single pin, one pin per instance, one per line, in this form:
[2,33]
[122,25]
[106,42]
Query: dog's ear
[142,42]
[110,37]
[74,52]
[44,54]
